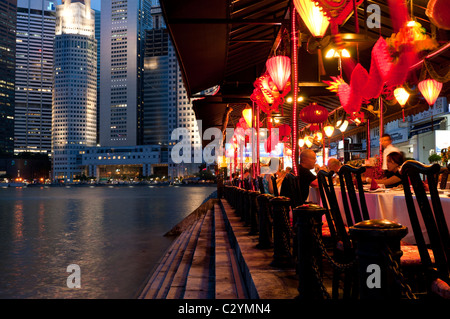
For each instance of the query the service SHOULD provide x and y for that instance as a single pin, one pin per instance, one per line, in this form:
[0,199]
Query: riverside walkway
[215,257]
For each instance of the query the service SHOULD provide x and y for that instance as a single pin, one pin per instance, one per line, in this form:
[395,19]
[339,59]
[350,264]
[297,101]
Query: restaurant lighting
[279,68]
[308,141]
[312,16]
[247,114]
[332,53]
[301,142]
[318,136]
[329,130]
[342,126]
[430,90]
[401,96]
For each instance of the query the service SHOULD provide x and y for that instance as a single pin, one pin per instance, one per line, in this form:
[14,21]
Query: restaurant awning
[226,43]
[425,127]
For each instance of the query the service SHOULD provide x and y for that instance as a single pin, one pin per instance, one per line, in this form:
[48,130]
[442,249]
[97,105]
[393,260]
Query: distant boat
[17,184]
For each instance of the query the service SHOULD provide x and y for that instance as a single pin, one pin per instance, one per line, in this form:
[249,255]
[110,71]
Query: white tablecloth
[390,205]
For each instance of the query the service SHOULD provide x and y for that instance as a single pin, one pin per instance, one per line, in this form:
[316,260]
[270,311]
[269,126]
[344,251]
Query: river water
[114,235]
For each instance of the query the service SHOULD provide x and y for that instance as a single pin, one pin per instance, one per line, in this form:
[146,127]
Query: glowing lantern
[247,114]
[430,90]
[402,96]
[318,136]
[279,68]
[301,142]
[342,126]
[313,113]
[308,141]
[314,18]
[329,130]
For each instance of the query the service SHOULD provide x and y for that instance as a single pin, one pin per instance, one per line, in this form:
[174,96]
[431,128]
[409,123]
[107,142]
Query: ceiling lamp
[318,135]
[313,114]
[430,90]
[308,141]
[247,114]
[312,16]
[401,96]
[342,126]
[333,53]
[329,130]
[301,142]
[279,68]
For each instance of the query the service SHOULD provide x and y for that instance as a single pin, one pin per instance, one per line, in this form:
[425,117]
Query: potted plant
[434,158]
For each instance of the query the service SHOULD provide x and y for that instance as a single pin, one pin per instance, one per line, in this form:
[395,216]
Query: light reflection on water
[115,235]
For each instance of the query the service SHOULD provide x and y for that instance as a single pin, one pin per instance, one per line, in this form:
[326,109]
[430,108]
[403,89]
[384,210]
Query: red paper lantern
[430,90]
[313,113]
[279,68]
[439,13]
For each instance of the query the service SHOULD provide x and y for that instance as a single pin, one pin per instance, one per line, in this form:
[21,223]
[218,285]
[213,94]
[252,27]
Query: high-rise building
[8,12]
[166,104]
[34,76]
[98,37]
[75,87]
[123,23]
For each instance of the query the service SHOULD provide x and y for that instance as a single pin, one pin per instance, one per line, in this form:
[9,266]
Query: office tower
[8,12]
[122,25]
[98,37]
[75,87]
[34,76]
[166,104]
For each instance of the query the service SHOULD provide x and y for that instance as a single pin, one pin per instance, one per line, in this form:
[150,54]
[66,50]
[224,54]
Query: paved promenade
[216,258]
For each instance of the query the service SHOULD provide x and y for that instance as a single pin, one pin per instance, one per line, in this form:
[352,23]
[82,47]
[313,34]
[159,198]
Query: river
[114,235]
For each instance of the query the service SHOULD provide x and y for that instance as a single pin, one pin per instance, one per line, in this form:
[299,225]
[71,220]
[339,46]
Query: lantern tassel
[403,113]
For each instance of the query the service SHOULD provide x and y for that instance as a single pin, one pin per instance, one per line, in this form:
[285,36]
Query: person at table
[386,143]
[334,165]
[394,161]
[267,171]
[306,177]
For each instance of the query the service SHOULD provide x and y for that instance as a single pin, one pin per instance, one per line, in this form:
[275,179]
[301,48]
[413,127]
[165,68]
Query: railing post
[253,212]
[307,220]
[376,240]
[265,221]
[282,256]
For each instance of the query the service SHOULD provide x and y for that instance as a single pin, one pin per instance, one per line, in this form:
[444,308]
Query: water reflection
[115,235]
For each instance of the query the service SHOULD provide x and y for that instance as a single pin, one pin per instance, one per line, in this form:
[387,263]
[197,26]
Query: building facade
[34,76]
[8,12]
[166,104]
[74,117]
[123,23]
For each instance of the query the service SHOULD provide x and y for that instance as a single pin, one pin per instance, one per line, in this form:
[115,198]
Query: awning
[425,127]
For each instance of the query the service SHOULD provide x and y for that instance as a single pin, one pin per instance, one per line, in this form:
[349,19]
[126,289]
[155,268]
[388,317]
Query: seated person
[394,161]
[306,177]
[334,165]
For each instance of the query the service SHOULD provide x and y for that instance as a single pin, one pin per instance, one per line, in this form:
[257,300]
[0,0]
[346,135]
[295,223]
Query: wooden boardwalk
[216,258]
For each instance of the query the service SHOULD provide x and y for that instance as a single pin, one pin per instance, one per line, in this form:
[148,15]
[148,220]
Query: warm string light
[295,88]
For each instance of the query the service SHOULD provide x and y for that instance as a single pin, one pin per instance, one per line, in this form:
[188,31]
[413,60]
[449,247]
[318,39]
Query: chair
[437,272]
[341,243]
[260,185]
[274,185]
[444,177]
[358,212]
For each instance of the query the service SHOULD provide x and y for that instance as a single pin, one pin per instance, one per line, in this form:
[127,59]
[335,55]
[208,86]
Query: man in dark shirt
[306,177]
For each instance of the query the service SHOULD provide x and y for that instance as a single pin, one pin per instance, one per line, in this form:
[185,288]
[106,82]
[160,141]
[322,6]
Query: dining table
[389,204]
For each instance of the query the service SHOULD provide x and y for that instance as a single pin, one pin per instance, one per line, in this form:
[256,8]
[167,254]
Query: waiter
[386,143]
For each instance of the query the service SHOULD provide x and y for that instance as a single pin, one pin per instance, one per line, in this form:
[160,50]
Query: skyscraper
[122,23]
[8,12]
[166,104]
[75,87]
[34,75]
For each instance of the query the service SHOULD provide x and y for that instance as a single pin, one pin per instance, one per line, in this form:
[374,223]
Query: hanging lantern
[279,68]
[301,142]
[430,90]
[318,136]
[402,96]
[247,114]
[342,126]
[329,130]
[308,141]
[312,16]
[313,114]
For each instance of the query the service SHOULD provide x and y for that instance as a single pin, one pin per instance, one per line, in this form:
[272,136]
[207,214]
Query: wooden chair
[260,185]
[435,262]
[274,185]
[444,177]
[343,251]
[358,211]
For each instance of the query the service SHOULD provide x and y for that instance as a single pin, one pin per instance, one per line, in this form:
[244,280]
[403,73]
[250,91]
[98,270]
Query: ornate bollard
[282,256]
[265,221]
[253,218]
[308,222]
[377,251]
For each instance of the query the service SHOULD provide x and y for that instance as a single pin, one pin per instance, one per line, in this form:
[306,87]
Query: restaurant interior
[330,76]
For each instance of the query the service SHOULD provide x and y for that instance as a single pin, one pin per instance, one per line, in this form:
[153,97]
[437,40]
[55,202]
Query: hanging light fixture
[318,135]
[314,18]
[308,141]
[247,114]
[329,130]
[401,96]
[279,68]
[342,126]
[430,90]
[301,142]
